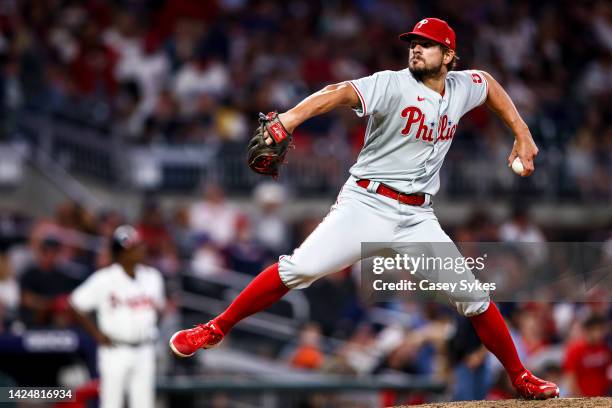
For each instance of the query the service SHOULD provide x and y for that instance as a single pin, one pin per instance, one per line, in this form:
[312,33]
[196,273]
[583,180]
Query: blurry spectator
[270,226]
[581,163]
[183,45]
[245,254]
[523,96]
[200,74]
[588,361]
[154,232]
[140,60]
[12,92]
[9,289]
[521,229]
[14,230]
[46,284]
[420,350]
[596,80]
[478,228]
[531,330]
[468,358]
[94,64]
[163,122]
[73,225]
[107,222]
[563,314]
[130,120]
[214,217]
[603,24]
[513,36]
[124,37]
[336,315]
[355,356]
[316,66]
[308,354]
[342,21]
[207,259]
[197,78]
[182,234]
[231,124]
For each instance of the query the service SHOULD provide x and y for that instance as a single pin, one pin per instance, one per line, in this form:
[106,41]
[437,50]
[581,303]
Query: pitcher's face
[426,58]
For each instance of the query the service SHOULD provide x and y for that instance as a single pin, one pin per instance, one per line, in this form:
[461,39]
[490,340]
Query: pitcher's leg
[493,332]
[335,244]
[429,235]
[486,319]
[263,291]
[332,246]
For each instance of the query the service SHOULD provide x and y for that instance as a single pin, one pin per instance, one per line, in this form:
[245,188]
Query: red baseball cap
[434,29]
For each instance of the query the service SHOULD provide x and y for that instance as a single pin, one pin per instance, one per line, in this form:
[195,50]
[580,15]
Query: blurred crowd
[43,259]
[184,72]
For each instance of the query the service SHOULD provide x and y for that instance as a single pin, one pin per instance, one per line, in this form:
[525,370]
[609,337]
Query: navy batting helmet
[124,237]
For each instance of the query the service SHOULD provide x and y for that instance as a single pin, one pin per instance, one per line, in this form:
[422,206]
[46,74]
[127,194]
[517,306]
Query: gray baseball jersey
[411,127]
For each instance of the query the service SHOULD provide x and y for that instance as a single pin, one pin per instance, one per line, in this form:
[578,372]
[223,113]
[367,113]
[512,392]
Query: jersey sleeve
[377,93]
[89,294]
[474,86]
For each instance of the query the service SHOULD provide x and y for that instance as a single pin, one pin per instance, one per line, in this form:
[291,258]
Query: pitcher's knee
[469,309]
[298,274]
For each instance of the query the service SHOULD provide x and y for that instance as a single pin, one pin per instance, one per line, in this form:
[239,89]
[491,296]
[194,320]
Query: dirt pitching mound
[551,403]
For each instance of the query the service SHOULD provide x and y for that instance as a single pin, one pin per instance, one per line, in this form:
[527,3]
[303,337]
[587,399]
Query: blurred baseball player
[413,115]
[126,297]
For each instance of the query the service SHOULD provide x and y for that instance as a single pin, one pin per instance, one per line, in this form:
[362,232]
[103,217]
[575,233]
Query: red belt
[410,199]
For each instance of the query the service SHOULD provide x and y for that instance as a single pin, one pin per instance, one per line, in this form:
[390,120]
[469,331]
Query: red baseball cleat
[185,343]
[531,387]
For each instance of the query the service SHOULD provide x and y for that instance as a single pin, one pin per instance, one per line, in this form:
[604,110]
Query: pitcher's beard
[421,74]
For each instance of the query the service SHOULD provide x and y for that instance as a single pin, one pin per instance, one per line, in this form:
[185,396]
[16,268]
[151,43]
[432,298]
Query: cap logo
[446,40]
[422,23]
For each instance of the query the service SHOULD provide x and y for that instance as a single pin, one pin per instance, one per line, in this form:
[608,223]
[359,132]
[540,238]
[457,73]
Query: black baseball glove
[263,158]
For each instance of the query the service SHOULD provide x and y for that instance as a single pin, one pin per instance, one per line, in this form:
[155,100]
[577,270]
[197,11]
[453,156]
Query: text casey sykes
[425,285]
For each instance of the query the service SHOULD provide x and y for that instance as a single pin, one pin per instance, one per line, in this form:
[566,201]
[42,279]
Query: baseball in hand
[517,166]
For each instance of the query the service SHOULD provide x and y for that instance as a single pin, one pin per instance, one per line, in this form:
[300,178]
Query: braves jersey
[411,127]
[126,307]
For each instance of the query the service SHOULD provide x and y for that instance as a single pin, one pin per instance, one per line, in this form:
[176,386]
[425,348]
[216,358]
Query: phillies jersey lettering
[411,127]
[134,302]
[126,307]
[416,116]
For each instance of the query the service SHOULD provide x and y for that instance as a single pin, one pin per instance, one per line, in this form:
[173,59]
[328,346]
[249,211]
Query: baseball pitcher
[413,115]
[126,297]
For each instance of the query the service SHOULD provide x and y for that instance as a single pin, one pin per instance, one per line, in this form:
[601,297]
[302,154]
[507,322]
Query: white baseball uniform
[410,130]
[127,312]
